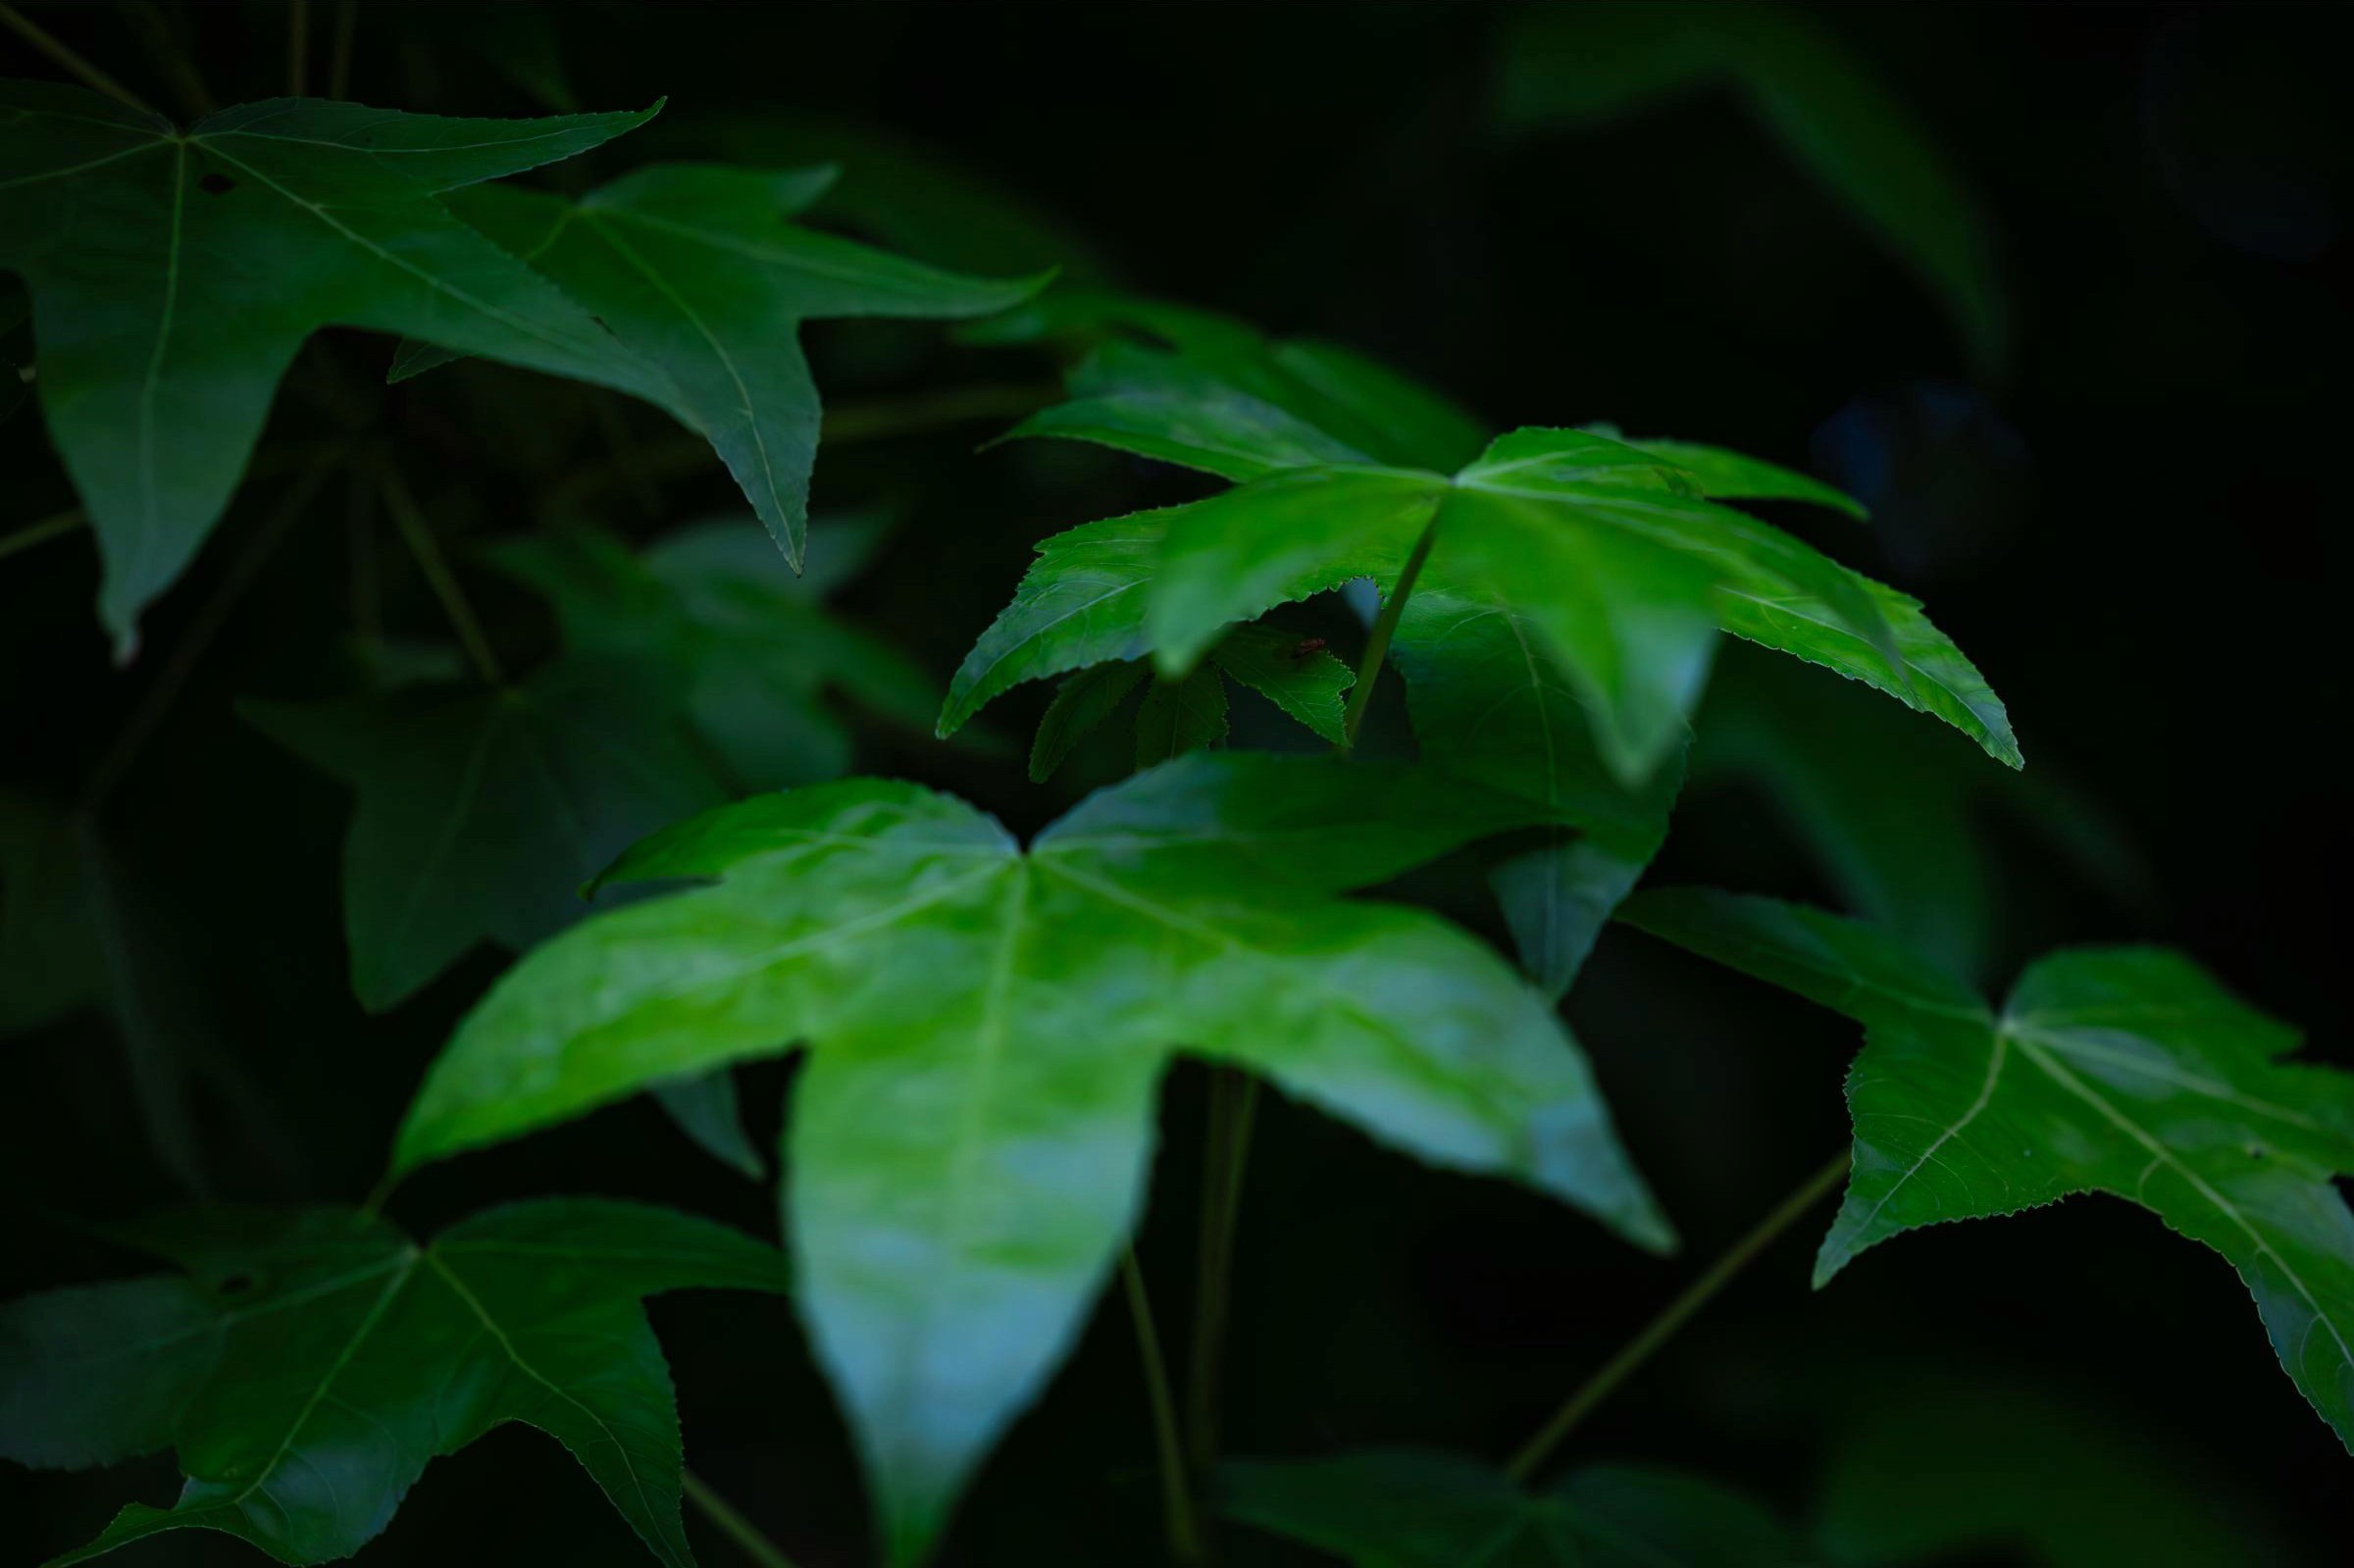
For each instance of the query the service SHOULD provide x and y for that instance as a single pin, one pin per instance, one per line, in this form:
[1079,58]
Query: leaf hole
[216,184]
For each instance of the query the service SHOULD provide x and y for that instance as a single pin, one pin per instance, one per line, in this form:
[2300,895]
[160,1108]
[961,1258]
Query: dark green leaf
[307,1365]
[1402,1509]
[1187,714]
[174,275]
[2119,1070]
[705,1108]
[1849,128]
[481,813]
[694,266]
[989,1028]
[1296,674]
[1082,702]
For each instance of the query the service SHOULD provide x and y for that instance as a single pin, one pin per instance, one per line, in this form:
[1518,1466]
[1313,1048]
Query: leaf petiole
[1673,1317]
[33,33]
[1377,640]
[1176,1500]
[429,560]
[735,1526]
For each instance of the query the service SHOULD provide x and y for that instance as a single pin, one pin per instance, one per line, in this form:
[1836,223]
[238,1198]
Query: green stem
[1377,640]
[338,69]
[1233,1103]
[298,49]
[1663,1327]
[734,1524]
[174,674]
[1176,1500]
[33,33]
[419,538]
[41,532]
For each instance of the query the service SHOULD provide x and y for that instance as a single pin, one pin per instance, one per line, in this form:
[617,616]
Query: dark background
[2131,528]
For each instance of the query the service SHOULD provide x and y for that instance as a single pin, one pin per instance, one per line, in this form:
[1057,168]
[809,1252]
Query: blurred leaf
[200,264]
[697,268]
[1895,811]
[1834,114]
[907,195]
[705,1108]
[482,812]
[2119,1070]
[310,1363]
[988,1029]
[1402,1509]
[713,622]
[1946,1467]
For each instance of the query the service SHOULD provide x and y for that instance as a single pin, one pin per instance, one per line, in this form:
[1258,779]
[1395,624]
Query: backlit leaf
[987,1028]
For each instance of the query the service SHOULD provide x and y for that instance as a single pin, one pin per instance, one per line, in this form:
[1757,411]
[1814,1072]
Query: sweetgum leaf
[482,812]
[307,1365]
[1850,129]
[697,268]
[1187,714]
[987,1028]
[714,621]
[2119,1070]
[1610,552]
[1393,1509]
[174,273]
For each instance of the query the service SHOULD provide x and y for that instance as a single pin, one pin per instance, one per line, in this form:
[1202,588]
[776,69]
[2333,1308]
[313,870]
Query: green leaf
[1209,391]
[715,623]
[1834,114]
[480,812]
[1082,702]
[1296,674]
[307,1365]
[705,1109]
[1487,703]
[2119,1070]
[1722,473]
[697,268]
[989,1025]
[1187,714]
[174,273]
[1392,1508]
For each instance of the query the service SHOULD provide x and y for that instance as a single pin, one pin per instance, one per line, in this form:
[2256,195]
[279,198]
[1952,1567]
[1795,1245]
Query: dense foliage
[1356,743]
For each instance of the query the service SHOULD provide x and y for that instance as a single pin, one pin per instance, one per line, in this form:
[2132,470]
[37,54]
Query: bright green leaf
[307,1365]
[174,273]
[480,812]
[2119,1070]
[1402,1509]
[1296,674]
[696,266]
[970,1136]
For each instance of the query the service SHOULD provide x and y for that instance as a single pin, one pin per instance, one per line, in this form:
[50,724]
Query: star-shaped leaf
[989,1025]
[697,268]
[480,812]
[1610,553]
[715,623]
[1401,1509]
[2119,1070]
[307,1365]
[174,273]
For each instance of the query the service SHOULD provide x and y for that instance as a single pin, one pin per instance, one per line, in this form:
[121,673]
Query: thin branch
[174,674]
[1176,1499]
[54,526]
[1234,1102]
[89,75]
[1377,640]
[420,539]
[734,1524]
[1673,1317]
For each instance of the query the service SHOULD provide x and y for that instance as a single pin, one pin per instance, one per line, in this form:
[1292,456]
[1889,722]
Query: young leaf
[2119,1070]
[174,274]
[697,268]
[307,1365]
[987,1028]
[481,813]
[1832,113]
[712,620]
[1608,551]
[1401,1509]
